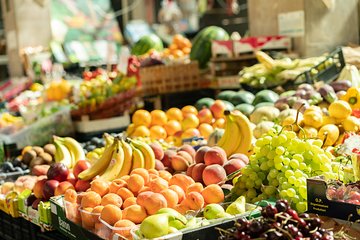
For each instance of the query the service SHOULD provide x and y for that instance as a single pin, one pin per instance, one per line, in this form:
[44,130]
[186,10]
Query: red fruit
[80,166]
[215,155]
[49,188]
[38,188]
[199,155]
[82,185]
[58,171]
[233,165]
[71,178]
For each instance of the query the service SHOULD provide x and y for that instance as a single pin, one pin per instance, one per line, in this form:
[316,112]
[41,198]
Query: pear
[176,219]
[191,222]
[172,230]
[214,211]
[237,207]
[155,226]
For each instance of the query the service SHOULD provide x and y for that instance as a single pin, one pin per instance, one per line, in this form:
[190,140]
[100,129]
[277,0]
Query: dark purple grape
[255,227]
[264,213]
[270,211]
[242,224]
[264,235]
[316,235]
[292,230]
[315,223]
[301,222]
[242,236]
[275,235]
[304,215]
[281,206]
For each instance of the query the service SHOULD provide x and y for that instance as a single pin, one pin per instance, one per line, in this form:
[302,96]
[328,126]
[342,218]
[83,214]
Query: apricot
[154,203]
[159,165]
[116,184]
[142,197]
[100,186]
[70,195]
[62,188]
[171,197]
[87,221]
[180,192]
[128,202]
[158,184]
[213,174]
[144,189]
[165,175]
[195,187]
[181,180]
[135,182]
[215,155]
[90,199]
[182,208]
[124,193]
[123,227]
[125,177]
[135,213]
[96,213]
[111,198]
[213,194]
[153,171]
[194,200]
[111,214]
[200,153]
[157,149]
[197,172]
[142,172]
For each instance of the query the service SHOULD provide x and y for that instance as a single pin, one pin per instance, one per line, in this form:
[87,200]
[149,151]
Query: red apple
[58,171]
[49,188]
[80,166]
[82,185]
[38,188]
[62,187]
[71,178]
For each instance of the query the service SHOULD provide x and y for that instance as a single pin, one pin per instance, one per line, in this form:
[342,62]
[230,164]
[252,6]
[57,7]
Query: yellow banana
[100,165]
[74,147]
[232,137]
[245,131]
[116,163]
[149,156]
[128,158]
[62,154]
[108,139]
[138,160]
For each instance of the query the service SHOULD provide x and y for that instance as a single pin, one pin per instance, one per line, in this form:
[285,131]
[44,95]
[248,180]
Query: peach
[179,191]
[70,195]
[213,193]
[135,213]
[39,170]
[213,174]
[179,163]
[165,175]
[111,214]
[181,180]
[153,171]
[194,200]
[80,166]
[205,116]
[197,172]
[100,186]
[38,188]
[128,202]
[124,193]
[182,208]
[87,221]
[116,184]
[122,228]
[218,109]
[135,182]
[240,156]
[90,199]
[82,185]
[154,203]
[189,149]
[215,155]
[142,197]
[187,156]
[233,165]
[195,187]
[142,172]
[71,178]
[159,165]
[111,198]
[199,156]
[62,187]
[158,184]
[189,170]
[171,197]
[157,149]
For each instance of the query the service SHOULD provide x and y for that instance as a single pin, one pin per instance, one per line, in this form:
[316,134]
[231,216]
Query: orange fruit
[128,202]
[141,117]
[87,221]
[165,175]
[171,197]
[205,130]
[173,46]
[123,228]
[172,127]
[124,193]
[142,172]
[90,199]
[187,43]
[190,121]
[174,114]
[135,183]
[141,131]
[186,50]
[96,213]
[190,133]
[219,123]
[112,198]
[189,109]
[195,187]
[135,213]
[158,184]
[130,129]
[213,194]
[157,132]
[158,117]
[177,38]
[111,214]
[70,195]
[178,53]
[180,192]
[116,184]
[100,186]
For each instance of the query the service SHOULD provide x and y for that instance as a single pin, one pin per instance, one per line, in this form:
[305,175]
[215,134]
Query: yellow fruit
[329,133]
[190,121]
[310,132]
[313,119]
[157,132]
[351,124]
[158,117]
[141,131]
[141,117]
[289,120]
[174,114]
[340,109]
[130,129]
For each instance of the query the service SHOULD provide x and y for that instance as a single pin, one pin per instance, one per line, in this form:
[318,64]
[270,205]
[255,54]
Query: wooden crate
[170,78]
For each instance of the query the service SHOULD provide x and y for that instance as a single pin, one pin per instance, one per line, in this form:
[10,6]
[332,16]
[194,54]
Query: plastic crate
[15,228]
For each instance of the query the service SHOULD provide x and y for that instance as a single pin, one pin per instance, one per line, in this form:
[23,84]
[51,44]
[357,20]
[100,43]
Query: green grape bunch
[279,167]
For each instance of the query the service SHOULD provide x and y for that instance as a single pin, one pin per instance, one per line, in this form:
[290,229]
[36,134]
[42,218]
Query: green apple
[214,211]
[155,226]
[237,207]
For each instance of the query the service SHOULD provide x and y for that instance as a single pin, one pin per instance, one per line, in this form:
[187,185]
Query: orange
[141,131]
[170,139]
[172,127]
[213,194]
[141,117]
[178,53]
[180,192]
[86,218]
[205,130]
[173,46]
[135,183]
[128,202]
[178,39]
[90,199]
[195,187]
[165,175]
[166,52]
[186,50]
[116,184]
[100,186]
[171,197]
[111,214]
[158,117]
[130,129]
[70,195]
[174,114]
[190,121]
[135,213]
[187,43]
[157,132]
[158,184]
[219,123]
[189,109]
[122,228]
[124,193]
[142,172]
[111,198]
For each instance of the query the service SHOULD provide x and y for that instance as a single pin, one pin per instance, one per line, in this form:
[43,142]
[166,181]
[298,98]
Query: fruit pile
[10,123]
[179,48]
[58,90]
[278,222]
[337,191]
[35,155]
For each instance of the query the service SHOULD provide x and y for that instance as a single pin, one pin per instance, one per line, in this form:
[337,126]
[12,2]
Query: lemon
[351,124]
[329,133]
[340,109]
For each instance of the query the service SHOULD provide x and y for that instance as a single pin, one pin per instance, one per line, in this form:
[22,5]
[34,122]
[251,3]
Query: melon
[204,102]
[146,43]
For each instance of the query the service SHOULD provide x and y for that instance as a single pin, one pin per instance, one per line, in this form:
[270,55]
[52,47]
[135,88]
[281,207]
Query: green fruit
[176,220]
[214,211]
[201,46]
[229,105]
[204,102]
[265,96]
[264,104]
[145,43]
[226,95]
[245,108]
[172,230]
[215,136]
[288,93]
[237,207]
[155,226]
[242,97]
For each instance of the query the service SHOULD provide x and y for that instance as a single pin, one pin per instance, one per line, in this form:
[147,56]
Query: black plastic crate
[14,228]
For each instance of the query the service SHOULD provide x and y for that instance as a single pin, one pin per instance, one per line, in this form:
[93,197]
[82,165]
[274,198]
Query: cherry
[281,206]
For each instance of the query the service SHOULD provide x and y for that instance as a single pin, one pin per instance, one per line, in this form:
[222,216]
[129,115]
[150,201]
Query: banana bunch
[165,145]
[237,137]
[119,158]
[68,151]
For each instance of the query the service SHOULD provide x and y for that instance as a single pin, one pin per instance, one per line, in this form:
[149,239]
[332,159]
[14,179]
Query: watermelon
[147,43]
[201,45]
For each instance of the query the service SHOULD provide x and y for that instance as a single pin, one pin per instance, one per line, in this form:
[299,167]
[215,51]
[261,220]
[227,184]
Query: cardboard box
[222,48]
[319,203]
[316,26]
[251,44]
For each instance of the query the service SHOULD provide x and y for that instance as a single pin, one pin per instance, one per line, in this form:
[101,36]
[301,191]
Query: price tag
[292,24]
